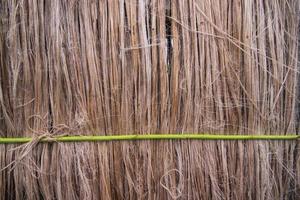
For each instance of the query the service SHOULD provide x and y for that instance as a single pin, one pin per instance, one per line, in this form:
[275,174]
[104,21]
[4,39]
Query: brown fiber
[102,67]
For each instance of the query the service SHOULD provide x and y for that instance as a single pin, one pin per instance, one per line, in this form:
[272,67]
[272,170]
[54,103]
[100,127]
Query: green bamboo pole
[94,138]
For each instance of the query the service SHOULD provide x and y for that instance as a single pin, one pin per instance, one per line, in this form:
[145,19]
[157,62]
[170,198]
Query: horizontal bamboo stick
[102,138]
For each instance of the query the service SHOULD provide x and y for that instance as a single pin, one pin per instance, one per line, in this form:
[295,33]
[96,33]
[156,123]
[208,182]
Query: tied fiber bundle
[108,67]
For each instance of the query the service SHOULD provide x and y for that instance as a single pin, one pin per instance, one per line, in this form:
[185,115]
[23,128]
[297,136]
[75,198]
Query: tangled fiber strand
[76,67]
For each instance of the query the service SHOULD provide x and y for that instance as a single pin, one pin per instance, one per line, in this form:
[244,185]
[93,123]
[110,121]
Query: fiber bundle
[117,67]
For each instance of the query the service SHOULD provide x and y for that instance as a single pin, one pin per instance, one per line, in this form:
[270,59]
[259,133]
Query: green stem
[94,138]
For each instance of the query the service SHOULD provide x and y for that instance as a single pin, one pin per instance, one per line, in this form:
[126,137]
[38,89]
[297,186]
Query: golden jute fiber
[107,67]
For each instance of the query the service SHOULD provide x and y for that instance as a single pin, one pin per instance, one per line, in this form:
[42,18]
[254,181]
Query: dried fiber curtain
[111,67]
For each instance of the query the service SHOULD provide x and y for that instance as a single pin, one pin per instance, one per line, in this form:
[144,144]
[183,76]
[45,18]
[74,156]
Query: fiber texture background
[103,67]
